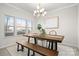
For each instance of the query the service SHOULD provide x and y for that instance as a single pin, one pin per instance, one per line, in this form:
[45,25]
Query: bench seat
[39,49]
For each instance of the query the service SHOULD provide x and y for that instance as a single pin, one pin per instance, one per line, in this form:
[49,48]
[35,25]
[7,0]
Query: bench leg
[17,47]
[28,52]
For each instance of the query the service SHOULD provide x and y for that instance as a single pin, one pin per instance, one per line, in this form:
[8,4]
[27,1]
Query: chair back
[52,32]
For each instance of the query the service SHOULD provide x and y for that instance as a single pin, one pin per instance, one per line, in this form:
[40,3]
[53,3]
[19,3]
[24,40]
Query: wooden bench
[39,49]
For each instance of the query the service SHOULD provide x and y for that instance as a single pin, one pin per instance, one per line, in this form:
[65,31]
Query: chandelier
[39,11]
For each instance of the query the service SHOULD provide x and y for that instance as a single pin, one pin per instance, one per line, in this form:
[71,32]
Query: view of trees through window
[18,25]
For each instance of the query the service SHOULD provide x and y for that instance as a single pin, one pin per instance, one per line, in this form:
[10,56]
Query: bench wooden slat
[39,49]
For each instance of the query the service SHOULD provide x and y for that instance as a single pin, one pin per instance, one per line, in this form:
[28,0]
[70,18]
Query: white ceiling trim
[64,7]
[18,8]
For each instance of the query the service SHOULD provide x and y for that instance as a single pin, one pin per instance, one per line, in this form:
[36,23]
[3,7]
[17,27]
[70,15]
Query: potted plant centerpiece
[39,27]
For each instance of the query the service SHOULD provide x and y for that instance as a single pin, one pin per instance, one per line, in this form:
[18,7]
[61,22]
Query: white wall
[12,11]
[78,27]
[67,24]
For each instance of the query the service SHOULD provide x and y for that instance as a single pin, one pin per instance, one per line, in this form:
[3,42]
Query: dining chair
[48,43]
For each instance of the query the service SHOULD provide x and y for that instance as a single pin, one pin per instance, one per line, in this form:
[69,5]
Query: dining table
[51,38]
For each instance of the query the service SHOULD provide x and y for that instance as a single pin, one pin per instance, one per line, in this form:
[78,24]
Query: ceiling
[30,7]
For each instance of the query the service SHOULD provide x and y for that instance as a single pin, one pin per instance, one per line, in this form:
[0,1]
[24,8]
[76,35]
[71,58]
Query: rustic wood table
[50,38]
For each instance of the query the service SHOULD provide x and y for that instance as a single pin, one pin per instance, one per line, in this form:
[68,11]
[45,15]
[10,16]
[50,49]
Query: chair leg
[22,48]
[52,45]
[17,47]
[49,45]
[55,45]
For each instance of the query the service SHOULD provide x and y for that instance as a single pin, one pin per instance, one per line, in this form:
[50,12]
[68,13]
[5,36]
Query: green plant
[39,27]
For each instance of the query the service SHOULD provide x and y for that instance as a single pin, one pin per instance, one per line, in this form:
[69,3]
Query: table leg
[55,45]
[28,48]
[52,45]
[35,42]
[28,39]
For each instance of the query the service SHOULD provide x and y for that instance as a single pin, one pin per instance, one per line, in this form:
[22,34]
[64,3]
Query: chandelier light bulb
[39,11]
[42,10]
[35,11]
[45,12]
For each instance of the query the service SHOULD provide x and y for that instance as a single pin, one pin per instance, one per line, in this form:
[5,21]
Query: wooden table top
[48,37]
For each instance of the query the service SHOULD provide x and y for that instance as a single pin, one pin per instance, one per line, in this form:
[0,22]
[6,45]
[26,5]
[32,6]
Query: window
[16,25]
[29,26]
[9,26]
[20,26]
